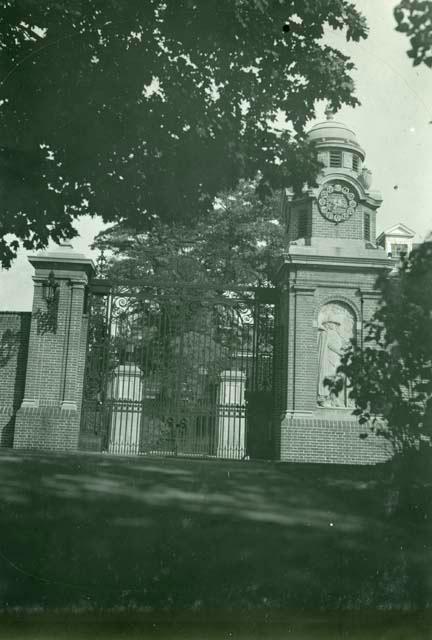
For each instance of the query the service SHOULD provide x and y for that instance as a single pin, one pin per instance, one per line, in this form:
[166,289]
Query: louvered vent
[335,158]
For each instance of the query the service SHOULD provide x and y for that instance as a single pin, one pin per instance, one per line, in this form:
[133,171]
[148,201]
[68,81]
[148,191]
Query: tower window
[356,163]
[335,158]
[366,226]
[302,224]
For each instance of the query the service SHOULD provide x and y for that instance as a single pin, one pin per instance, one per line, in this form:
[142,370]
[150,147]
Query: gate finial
[101,264]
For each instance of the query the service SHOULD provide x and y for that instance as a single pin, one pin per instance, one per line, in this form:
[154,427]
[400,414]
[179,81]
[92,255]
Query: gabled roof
[398,230]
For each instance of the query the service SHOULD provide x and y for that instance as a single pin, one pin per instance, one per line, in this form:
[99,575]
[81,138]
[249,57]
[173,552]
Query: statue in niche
[335,330]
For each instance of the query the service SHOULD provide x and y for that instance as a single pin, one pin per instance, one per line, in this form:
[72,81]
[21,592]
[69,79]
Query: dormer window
[397,240]
[335,158]
[399,249]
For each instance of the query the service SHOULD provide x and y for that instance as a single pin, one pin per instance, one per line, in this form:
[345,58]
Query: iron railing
[173,370]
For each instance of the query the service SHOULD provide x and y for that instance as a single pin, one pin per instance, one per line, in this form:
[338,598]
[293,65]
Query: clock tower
[326,280]
[342,208]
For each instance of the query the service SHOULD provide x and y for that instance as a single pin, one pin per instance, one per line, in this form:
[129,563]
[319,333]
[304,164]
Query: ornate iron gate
[178,370]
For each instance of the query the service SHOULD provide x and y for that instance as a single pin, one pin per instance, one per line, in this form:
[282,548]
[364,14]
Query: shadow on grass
[87,532]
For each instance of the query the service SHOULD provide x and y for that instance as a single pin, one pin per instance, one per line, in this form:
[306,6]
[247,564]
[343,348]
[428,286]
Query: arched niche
[336,328]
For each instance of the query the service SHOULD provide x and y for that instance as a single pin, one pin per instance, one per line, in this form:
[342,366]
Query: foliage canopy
[391,376]
[414,18]
[143,111]
[237,244]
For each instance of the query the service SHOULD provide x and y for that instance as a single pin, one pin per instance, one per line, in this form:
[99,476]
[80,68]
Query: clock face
[337,202]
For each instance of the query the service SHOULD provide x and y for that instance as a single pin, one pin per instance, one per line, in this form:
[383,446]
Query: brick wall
[303,349]
[330,441]
[318,226]
[351,229]
[47,427]
[14,339]
[307,289]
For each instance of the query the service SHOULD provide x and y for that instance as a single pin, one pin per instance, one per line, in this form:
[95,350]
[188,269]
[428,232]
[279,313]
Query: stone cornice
[77,283]
[369,293]
[370,197]
[62,263]
[374,201]
[334,284]
[351,262]
[303,290]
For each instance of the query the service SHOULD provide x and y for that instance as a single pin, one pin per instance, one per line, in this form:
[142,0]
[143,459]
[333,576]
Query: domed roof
[332,129]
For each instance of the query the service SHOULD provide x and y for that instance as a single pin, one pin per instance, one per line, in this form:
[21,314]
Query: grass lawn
[178,538]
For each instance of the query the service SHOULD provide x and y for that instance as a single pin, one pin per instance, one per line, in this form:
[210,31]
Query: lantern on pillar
[50,292]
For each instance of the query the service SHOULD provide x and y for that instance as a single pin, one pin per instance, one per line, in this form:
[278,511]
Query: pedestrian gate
[179,370]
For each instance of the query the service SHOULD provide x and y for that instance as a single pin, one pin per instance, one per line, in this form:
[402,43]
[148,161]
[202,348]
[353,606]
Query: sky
[393,125]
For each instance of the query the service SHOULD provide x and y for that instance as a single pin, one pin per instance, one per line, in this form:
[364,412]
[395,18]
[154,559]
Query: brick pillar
[304,351]
[49,416]
[307,280]
[74,329]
